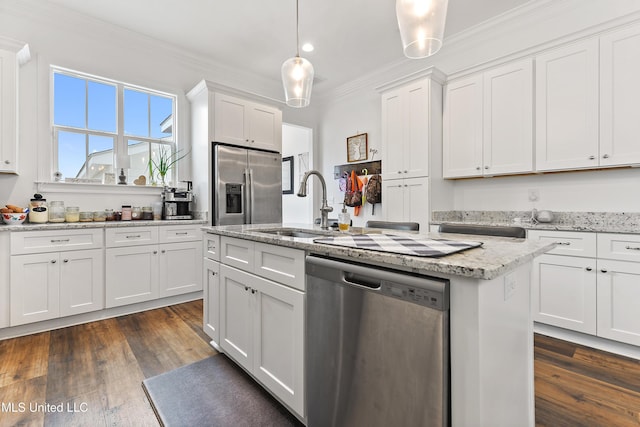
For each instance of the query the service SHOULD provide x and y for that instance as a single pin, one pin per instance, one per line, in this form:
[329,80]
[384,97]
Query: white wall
[297,140]
[543,24]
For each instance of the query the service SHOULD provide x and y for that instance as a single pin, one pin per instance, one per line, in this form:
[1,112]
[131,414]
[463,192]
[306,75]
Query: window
[101,126]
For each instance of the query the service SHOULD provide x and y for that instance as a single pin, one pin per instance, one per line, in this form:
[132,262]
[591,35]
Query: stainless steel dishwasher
[377,346]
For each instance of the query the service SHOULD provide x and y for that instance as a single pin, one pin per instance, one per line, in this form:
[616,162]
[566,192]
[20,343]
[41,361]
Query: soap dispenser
[344,219]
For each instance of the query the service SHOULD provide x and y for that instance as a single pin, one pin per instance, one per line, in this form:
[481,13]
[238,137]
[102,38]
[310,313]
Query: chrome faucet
[325,208]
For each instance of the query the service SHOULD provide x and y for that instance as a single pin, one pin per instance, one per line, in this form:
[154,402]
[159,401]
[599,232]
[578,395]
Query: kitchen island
[491,332]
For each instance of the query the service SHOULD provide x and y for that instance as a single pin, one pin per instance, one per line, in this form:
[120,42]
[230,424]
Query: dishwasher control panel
[417,295]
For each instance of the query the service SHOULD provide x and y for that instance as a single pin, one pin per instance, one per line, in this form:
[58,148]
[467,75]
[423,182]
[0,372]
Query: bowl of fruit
[14,215]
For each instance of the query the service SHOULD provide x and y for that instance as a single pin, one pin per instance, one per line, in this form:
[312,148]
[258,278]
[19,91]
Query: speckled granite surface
[497,256]
[106,224]
[605,222]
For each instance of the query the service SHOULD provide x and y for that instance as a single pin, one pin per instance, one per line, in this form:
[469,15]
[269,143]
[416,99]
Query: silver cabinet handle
[486,167]
[632,248]
[163,251]
[132,236]
[253,291]
[605,156]
[564,243]
[604,270]
[59,240]
[589,269]
[155,252]
[53,261]
[592,157]
[182,234]
[65,260]
[246,288]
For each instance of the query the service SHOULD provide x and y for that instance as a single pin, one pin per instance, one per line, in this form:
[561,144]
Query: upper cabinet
[12,54]
[488,122]
[567,107]
[241,122]
[410,123]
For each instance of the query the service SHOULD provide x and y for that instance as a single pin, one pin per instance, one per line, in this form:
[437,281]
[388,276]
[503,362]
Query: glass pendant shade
[297,79]
[421,25]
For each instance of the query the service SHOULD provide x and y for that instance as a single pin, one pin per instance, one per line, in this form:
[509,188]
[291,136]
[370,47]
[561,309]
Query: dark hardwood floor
[95,371]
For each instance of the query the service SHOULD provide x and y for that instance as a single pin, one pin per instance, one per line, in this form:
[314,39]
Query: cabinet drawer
[623,247]
[238,253]
[211,246]
[55,240]
[281,264]
[179,233]
[131,236]
[569,242]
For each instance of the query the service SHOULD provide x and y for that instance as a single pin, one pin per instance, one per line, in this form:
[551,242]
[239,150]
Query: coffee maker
[177,203]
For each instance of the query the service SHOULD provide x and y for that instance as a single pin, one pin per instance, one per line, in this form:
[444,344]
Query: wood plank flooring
[95,372]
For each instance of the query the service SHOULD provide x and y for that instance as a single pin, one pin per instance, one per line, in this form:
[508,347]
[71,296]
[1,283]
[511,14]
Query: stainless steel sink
[292,232]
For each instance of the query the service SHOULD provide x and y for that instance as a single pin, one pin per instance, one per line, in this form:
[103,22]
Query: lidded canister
[56,211]
[38,212]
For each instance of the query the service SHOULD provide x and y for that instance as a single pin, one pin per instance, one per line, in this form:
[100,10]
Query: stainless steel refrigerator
[247,186]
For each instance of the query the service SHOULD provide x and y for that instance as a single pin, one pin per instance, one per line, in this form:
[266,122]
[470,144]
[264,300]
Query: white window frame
[120,138]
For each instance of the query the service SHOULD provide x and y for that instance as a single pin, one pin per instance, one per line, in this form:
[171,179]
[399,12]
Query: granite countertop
[106,224]
[602,222]
[497,255]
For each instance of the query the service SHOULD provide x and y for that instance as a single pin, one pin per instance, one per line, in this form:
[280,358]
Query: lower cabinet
[262,328]
[50,285]
[406,200]
[618,296]
[211,297]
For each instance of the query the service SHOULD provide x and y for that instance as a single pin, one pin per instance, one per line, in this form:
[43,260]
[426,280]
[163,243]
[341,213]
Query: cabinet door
[462,131]
[618,296]
[619,94]
[180,268]
[508,119]
[8,112]
[265,127]
[416,201]
[278,341]
[132,275]
[211,295]
[392,134]
[563,292]
[35,288]
[236,315]
[415,148]
[393,200]
[567,107]
[81,282]
[230,120]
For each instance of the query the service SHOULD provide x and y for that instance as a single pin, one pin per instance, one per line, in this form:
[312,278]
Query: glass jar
[56,211]
[109,215]
[147,213]
[126,213]
[38,212]
[136,213]
[72,214]
[86,216]
[99,216]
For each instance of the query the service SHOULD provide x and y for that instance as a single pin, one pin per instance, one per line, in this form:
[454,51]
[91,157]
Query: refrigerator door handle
[249,195]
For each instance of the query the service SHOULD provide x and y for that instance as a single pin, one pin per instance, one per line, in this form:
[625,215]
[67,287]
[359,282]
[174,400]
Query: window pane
[100,159]
[102,107]
[69,101]
[72,154]
[161,117]
[139,156]
[136,113]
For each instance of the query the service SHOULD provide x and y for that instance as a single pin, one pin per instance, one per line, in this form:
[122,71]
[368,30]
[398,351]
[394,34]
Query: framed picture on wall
[357,148]
[287,175]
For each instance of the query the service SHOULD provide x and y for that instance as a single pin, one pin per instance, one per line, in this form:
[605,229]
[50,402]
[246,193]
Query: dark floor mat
[213,392]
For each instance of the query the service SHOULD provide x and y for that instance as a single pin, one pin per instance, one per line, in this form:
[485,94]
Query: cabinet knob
[7,162]
[406,171]
[163,251]
[253,140]
[246,288]
[65,260]
[477,168]
[246,140]
[604,270]
[605,156]
[399,171]
[53,261]
[486,167]
[592,157]
[155,252]
[589,269]
[253,291]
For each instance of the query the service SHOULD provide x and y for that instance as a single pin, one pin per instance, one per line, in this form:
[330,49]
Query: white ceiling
[351,37]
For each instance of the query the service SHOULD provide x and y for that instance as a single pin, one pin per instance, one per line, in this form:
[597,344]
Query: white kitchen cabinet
[488,122]
[567,106]
[408,128]
[12,54]
[261,327]
[242,122]
[50,285]
[619,94]
[564,292]
[144,263]
[211,297]
[406,200]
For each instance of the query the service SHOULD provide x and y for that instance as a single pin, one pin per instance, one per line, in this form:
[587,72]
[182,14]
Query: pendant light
[297,76]
[421,25]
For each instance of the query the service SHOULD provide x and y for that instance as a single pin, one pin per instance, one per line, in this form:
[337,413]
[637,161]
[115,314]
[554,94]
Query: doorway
[297,142]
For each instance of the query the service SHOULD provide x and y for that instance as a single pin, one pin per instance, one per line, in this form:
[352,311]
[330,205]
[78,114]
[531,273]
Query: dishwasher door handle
[360,281]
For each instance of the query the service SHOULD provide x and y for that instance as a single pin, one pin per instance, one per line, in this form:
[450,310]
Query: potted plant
[165,162]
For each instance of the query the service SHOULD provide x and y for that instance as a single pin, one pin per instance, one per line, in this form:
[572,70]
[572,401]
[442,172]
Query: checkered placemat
[406,245]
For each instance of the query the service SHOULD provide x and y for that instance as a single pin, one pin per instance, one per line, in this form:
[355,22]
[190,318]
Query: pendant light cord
[297,30]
